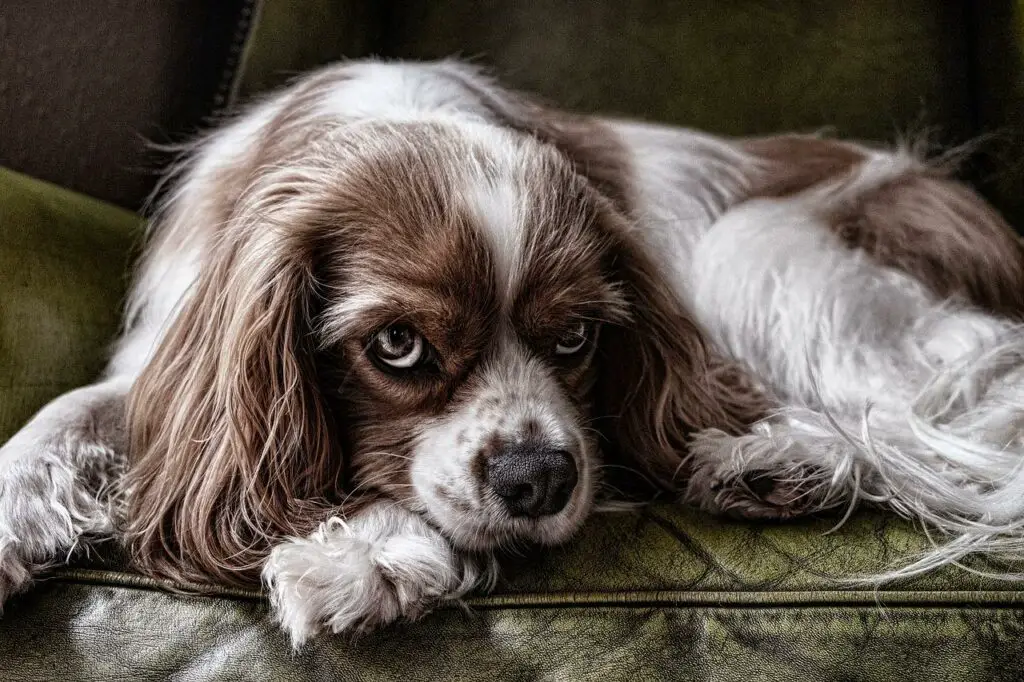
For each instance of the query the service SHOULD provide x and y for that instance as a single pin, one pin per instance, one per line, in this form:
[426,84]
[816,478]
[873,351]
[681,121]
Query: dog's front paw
[15,571]
[768,495]
[383,566]
[47,506]
[751,477]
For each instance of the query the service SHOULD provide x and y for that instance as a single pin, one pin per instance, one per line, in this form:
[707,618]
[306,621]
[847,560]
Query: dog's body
[484,303]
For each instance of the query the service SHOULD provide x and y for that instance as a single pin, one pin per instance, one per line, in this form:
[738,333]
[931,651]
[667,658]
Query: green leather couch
[664,593]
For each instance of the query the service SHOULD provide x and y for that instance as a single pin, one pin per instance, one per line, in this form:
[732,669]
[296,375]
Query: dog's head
[465,273]
[448,313]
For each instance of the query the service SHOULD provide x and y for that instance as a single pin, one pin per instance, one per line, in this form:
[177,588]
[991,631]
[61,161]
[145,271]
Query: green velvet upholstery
[63,258]
[661,594]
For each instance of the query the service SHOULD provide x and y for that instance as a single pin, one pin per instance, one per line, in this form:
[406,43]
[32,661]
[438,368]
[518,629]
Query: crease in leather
[848,597]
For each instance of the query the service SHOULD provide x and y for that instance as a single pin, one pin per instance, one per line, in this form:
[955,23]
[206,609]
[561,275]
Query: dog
[397,317]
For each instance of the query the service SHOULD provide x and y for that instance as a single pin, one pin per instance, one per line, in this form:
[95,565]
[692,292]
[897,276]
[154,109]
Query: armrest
[63,260]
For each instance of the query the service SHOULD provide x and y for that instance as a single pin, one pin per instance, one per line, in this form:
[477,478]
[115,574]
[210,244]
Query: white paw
[384,565]
[46,506]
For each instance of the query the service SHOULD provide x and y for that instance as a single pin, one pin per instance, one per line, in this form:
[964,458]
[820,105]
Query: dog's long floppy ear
[231,436]
[659,381]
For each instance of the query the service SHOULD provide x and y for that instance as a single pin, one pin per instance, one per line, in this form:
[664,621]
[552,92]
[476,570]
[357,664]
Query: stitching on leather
[771,600]
[229,79]
[134,581]
[957,599]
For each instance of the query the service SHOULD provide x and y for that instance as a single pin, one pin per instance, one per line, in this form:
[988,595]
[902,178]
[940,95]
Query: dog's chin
[480,532]
[475,536]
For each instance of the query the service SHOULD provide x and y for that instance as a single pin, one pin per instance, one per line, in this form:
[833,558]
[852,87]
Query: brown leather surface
[84,84]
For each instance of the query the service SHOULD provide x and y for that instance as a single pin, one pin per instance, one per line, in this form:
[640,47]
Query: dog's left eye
[399,346]
[574,340]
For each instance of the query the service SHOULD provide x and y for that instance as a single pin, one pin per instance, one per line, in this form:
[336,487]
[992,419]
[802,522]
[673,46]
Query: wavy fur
[770,327]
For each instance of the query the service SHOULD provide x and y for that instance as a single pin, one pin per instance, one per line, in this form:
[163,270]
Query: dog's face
[445,313]
[464,310]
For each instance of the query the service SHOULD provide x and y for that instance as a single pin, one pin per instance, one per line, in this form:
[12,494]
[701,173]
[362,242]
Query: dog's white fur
[385,565]
[890,394]
[893,395]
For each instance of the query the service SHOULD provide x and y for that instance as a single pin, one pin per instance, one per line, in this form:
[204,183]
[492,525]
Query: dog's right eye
[399,346]
[574,340]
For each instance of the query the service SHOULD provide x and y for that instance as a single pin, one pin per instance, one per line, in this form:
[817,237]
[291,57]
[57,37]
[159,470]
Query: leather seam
[957,599]
[231,75]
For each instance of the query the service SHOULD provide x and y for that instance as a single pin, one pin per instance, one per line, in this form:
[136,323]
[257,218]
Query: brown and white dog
[396,316]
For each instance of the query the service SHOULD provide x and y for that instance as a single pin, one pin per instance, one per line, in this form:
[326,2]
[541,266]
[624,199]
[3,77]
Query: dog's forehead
[528,210]
[449,205]
[461,230]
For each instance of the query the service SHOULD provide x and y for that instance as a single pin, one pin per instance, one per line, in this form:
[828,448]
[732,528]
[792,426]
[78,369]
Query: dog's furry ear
[659,381]
[231,435]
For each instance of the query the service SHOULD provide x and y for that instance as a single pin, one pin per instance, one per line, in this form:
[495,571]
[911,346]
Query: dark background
[87,86]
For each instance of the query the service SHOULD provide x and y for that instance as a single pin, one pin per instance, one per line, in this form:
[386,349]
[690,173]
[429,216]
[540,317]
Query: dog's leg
[775,472]
[889,394]
[57,475]
[383,565]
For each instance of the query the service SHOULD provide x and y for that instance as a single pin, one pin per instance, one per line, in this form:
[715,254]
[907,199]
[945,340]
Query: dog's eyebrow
[385,302]
[340,317]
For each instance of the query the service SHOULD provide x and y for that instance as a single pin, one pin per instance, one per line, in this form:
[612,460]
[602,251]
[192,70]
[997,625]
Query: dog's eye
[574,340]
[399,346]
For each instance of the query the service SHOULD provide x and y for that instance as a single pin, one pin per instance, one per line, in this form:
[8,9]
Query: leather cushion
[664,594]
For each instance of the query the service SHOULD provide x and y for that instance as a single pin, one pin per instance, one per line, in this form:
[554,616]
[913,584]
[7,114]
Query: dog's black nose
[532,479]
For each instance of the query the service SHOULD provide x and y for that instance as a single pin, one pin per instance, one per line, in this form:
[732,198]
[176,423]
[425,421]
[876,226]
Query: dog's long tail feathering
[903,398]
